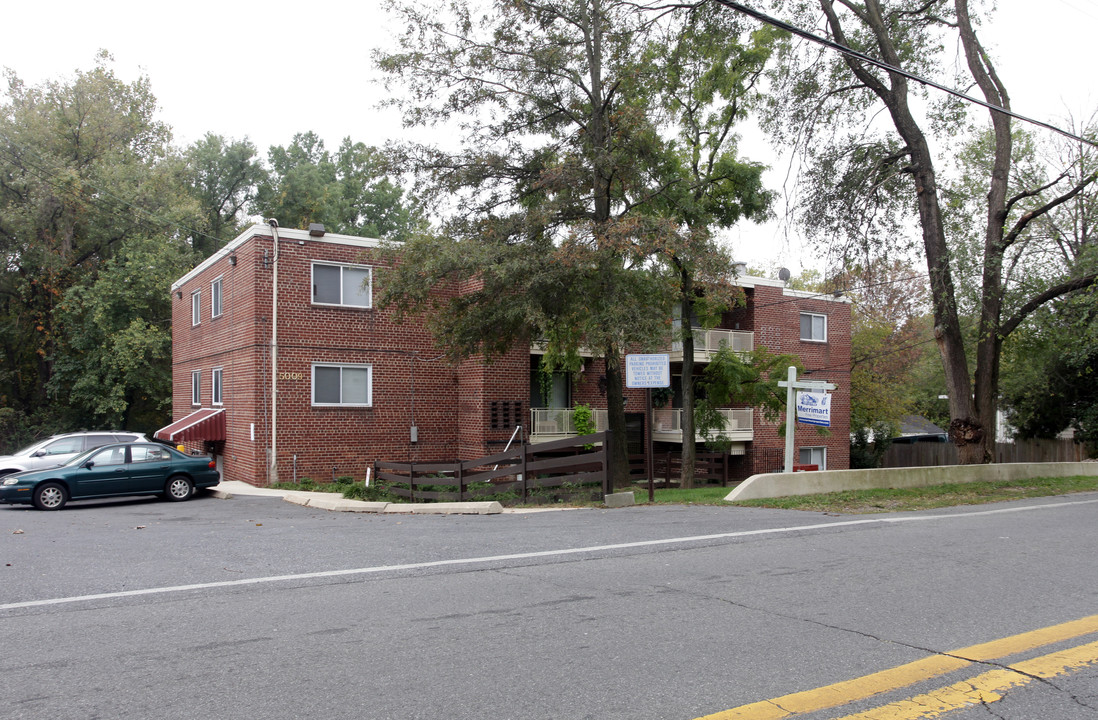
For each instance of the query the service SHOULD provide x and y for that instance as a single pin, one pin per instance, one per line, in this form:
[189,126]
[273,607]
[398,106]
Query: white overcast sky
[268,70]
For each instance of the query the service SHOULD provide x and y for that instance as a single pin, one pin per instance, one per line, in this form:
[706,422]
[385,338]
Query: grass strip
[860,502]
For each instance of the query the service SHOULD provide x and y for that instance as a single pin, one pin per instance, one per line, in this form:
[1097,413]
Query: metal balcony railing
[737,421]
[559,422]
[708,342]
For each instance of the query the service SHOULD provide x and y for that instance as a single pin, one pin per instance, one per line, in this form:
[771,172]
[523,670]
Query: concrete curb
[335,503]
[771,485]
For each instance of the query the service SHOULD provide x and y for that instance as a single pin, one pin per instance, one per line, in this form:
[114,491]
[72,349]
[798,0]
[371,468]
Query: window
[342,385]
[109,457]
[813,327]
[64,446]
[215,386]
[215,298]
[554,391]
[814,456]
[94,441]
[196,307]
[348,285]
[148,453]
[196,387]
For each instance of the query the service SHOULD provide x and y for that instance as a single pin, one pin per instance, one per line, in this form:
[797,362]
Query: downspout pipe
[272,474]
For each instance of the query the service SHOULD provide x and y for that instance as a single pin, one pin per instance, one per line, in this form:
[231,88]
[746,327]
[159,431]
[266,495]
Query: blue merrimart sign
[814,408]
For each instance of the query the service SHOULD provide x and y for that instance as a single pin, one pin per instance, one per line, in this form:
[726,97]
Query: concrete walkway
[335,502]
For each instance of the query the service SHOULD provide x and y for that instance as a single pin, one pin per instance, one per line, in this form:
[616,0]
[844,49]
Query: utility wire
[762,17]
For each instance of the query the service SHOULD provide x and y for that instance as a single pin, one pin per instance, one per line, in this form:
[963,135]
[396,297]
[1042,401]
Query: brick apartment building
[291,359]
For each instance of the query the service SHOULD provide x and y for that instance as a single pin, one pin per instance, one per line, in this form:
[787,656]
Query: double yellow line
[983,688]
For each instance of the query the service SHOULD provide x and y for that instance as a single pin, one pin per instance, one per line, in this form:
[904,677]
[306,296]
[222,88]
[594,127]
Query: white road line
[521,556]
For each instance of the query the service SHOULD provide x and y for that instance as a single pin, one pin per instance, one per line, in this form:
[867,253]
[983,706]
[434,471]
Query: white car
[59,449]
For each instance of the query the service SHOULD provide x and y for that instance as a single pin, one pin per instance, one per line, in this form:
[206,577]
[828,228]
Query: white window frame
[344,366]
[821,450]
[813,316]
[196,308]
[369,288]
[217,386]
[216,297]
[196,387]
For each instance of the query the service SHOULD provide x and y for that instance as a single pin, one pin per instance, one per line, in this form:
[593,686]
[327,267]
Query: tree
[870,176]
[114,358]
[714,67]
[752,380]
[85,169]
[1049,377]
[349,192]
[224,175]
[553,182]
[889,335]
[1053,384]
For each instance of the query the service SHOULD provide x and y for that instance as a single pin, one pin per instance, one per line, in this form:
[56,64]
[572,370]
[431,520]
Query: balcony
[708,342]
[556,423]
[738,425]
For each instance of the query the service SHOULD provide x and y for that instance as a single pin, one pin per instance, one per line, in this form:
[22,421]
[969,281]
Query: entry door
[634,433]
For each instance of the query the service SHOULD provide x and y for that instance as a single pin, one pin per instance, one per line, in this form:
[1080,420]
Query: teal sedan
[138,468]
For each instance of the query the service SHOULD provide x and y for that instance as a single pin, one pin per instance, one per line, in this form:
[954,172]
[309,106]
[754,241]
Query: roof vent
[316,230]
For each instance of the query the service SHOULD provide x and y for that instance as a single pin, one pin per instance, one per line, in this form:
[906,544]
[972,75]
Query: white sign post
[648,371]
[791,385]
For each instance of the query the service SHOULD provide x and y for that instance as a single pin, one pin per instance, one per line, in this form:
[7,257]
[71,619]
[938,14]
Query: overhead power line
[763,17]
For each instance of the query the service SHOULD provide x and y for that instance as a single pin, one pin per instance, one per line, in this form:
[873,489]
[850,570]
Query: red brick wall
[412,381]
[775,318]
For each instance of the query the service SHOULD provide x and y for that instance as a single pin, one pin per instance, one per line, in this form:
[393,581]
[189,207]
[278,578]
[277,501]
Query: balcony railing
[553,423]
[708,342]
[738,424]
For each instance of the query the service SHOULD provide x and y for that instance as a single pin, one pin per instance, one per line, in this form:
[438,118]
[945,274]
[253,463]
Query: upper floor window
[196,307]
[813,327]
[215,386]
[348,285]
[342,385]
[196,387]
[215,298]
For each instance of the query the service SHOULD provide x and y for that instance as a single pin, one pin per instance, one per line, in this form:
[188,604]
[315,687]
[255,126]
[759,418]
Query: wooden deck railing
[546,471]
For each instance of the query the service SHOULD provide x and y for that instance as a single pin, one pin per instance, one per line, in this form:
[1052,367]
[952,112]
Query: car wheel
[50,496]
[178,488]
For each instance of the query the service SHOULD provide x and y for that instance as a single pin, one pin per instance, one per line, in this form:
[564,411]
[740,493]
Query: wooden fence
[939,453]
[558,470]
[711,468]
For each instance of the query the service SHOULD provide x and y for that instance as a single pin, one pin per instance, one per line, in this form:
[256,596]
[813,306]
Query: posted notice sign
[814,408]
[648,371]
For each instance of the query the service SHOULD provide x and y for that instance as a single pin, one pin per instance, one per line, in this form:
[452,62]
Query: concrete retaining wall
[770,485]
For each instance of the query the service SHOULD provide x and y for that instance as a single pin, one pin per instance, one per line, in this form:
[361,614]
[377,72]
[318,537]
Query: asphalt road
[257,608]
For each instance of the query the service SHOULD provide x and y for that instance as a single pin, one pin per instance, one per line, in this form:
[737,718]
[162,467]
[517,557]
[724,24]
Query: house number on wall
[290,376]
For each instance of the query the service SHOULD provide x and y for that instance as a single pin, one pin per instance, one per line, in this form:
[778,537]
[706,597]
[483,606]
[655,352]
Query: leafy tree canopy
[349,192]
[87,177]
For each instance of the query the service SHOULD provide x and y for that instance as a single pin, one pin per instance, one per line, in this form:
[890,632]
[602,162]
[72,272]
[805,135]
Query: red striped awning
[204,424]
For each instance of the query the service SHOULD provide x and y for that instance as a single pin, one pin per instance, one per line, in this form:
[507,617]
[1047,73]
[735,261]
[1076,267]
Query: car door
[103,473]
[149,468]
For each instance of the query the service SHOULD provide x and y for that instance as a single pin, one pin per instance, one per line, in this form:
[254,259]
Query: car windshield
[32,447]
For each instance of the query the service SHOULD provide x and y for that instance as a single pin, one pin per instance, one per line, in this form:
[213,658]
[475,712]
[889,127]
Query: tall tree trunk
[689,442]
[966,429]
[615,404]
[989,344]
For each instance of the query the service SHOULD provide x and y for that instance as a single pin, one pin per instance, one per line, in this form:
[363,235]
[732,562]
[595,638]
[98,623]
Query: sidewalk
[337,503]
